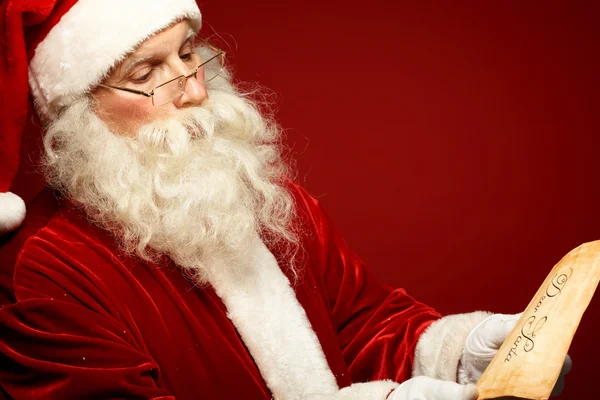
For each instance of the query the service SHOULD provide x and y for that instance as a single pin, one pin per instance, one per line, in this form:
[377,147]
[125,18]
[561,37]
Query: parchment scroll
[529,362]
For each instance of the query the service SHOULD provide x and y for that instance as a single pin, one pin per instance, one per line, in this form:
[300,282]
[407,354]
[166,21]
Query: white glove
[483,343]
[425,388]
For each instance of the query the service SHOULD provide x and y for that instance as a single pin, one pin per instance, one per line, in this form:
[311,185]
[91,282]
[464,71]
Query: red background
[454,144]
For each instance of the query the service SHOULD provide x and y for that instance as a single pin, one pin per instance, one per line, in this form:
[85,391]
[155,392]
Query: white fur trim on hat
[12,212]
[91,38]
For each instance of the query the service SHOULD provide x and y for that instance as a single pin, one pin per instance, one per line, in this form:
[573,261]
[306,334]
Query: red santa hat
[57,50]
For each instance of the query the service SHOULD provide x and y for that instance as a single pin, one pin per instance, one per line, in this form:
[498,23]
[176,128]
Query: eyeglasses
[174,88]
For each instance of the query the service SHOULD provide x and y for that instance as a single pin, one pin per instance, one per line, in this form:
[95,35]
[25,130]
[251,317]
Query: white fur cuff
[440,347]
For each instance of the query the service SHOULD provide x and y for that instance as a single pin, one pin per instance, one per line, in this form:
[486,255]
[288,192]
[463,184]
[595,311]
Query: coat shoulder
[57,247]
[40,211]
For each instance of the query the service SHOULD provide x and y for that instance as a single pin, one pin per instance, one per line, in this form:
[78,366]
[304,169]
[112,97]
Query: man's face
[160,58]
[193,183]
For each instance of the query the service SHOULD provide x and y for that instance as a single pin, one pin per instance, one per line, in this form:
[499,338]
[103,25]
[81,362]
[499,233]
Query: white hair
[192,187]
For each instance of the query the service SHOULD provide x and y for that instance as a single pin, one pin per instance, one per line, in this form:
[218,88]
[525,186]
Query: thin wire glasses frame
[220,54]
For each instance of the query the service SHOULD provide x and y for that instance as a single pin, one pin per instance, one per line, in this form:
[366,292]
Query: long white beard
[193,187]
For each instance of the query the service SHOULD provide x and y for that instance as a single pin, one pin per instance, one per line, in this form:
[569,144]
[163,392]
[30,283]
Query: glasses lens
[212,68]
[169,91]
[213,64]
[213,59]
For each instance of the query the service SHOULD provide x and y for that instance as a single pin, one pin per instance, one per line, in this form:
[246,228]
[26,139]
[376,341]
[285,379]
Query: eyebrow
[134,63]
[139,60]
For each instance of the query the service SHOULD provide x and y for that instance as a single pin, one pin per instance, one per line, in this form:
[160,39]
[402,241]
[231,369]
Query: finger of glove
[447,390]
[558,386]
[567,366]
[487,337]
[560,383]
[425,388]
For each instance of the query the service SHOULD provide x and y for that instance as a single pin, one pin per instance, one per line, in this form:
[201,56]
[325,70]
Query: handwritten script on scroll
[529,362]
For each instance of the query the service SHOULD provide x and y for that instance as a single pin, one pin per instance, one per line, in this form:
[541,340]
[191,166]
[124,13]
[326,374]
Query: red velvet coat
[86,321]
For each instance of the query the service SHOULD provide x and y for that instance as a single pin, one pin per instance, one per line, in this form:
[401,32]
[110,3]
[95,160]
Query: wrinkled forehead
[159,45]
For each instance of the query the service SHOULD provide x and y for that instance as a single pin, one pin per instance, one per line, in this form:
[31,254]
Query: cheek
[125,114]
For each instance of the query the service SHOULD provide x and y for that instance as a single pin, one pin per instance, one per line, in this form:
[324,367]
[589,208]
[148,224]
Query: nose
[194,94]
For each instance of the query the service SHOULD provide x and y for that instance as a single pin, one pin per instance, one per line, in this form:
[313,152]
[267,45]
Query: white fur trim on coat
[12,212]
[91,38]
[440,347]
[274,327]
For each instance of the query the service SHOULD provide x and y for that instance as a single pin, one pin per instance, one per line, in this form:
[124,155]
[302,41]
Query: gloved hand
[483,343]
[425,388]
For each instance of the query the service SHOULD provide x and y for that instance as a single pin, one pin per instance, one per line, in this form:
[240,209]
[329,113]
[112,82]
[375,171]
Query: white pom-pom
[12,212]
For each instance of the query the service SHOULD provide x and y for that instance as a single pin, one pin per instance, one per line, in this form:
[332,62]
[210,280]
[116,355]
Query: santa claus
[171,256]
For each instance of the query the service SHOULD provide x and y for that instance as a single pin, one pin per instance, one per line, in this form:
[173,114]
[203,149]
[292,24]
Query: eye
[186,56]
[143,78]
